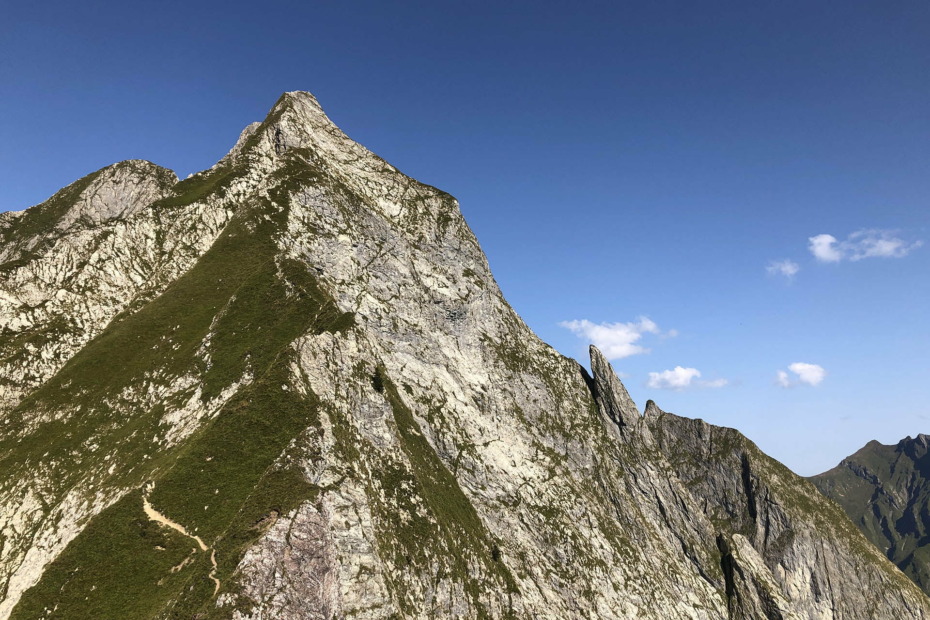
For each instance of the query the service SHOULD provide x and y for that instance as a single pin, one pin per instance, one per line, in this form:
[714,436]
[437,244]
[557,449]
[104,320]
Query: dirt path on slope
[158,517]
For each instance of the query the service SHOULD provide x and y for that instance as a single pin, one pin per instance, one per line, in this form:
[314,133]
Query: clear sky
[617,160]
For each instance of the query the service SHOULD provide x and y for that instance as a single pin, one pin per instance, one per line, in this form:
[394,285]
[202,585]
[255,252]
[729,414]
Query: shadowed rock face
[885,490]
[779,523]
[300,361]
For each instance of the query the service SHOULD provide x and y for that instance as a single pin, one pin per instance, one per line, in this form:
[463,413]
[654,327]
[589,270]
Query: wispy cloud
[811,374]
[869,243]
[782,379]
[616,340]
[681,378]
[787,268]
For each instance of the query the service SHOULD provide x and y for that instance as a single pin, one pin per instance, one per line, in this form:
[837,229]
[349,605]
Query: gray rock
[823,567]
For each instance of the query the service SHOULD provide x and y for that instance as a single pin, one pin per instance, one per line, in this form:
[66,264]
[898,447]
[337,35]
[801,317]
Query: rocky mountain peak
[118,191]
[919,443]
[291,388]
[289,124]
[295,121]
[298,131]
[885,490]
[114,192]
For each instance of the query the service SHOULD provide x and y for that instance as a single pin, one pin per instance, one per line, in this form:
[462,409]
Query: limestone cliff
[802,543]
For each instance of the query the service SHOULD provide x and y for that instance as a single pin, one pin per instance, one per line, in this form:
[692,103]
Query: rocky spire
[652,410]
[612,398]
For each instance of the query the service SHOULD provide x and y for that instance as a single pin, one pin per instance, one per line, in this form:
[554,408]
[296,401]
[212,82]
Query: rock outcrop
[300,360]
[779,522]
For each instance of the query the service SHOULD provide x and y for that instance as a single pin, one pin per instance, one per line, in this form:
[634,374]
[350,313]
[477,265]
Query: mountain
[885,490]
[289,387]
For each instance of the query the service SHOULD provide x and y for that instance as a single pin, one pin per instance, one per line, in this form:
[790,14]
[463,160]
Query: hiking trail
[158,517]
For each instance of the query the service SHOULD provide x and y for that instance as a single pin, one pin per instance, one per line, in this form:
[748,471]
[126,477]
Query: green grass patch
[201,185]
[216,472]
[279,492]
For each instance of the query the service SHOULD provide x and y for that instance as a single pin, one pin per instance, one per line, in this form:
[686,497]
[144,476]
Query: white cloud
[787,268]
[680,378]
[615,340]
[811,374]
[676,379]
[782,379]
[824,249]
[870,243]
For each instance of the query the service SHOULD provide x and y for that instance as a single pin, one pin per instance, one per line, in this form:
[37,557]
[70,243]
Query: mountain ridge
[885,490]
[314,372]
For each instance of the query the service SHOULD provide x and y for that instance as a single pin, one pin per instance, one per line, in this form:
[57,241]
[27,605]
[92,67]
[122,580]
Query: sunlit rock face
[289,387]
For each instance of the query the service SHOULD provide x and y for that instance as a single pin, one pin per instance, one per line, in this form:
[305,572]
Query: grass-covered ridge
[233,315]
[109,571]
[42,218]
[237,466]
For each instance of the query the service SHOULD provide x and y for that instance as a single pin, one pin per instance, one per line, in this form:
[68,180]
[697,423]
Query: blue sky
[616,160]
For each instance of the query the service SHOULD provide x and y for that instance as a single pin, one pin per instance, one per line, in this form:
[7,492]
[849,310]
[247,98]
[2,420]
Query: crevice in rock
[748,486]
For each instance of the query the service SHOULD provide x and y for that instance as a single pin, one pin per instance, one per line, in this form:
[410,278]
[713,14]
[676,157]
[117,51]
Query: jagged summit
[111,177]
[289,387]
[919,443]
[610,391]
[118,191]
[296,121]
[652,410]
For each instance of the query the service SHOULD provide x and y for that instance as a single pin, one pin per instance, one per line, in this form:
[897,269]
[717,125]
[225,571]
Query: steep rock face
[117,191]
[82,257]
[821,565]
[885,490]
[332,405]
